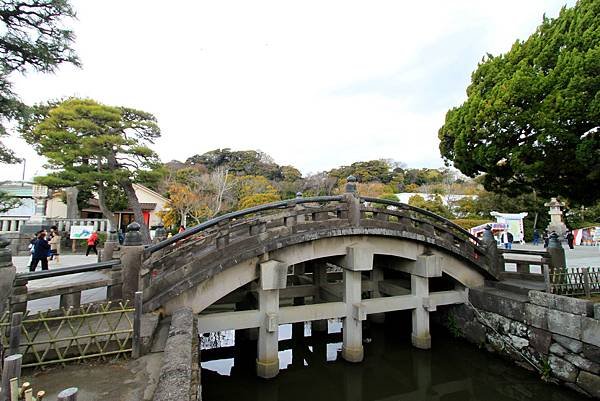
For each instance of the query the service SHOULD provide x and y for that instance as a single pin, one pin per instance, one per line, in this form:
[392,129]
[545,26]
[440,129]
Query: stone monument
[556,223]
[38,220]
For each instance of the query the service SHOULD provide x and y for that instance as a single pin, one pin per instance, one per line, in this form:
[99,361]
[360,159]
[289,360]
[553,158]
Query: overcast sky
[315,84]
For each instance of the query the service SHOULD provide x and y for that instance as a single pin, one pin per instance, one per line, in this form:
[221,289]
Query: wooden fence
[101,331]
[583,281]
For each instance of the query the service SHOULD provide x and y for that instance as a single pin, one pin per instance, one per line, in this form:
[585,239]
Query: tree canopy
[32,37]
[89,144]
[532,116]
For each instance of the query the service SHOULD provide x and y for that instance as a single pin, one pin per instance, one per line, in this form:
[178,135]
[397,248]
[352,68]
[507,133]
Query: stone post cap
[351,184]
[553,241]
[133,236]
[5,252]
[488,237]
[112,235]
[160,232]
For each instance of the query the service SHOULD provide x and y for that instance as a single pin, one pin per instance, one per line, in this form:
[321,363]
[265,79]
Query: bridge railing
[69,293]
[231,221]
[421,215]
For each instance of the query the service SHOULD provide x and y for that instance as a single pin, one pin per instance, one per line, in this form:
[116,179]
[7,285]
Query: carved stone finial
[160,233]
[133,237]
[112,236]
[488,237]
[351,184]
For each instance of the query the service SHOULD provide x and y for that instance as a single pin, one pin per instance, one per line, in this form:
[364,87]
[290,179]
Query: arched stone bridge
[335,257]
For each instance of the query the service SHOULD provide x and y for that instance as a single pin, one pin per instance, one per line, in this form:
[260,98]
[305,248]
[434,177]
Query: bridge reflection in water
[392,369]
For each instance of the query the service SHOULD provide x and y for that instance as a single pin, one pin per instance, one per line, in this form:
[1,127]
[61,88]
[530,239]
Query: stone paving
[96,294]
[581,256]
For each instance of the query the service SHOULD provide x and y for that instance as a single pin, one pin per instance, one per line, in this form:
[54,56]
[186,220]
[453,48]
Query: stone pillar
[420,316]
[319,278]
[494,257]
[112,242]
[357,260]
[427,265]
[131,260]
[38,220]
[353,201]
[376,277]
[7,274]
[273,277]
[352,348]
[557,254]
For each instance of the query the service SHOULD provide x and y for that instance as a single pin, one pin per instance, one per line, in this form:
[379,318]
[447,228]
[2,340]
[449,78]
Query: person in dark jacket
[570,239]
[41,249]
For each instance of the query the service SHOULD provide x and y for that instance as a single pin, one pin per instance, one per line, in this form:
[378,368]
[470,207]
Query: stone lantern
[556,222]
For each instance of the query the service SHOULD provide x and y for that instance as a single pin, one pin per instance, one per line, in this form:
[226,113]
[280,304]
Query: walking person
[546,238]
[91,243]
[40,253]
[54,244]
[570,239]
[536,237]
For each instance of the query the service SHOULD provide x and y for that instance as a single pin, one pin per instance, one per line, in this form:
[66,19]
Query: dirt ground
[124,380]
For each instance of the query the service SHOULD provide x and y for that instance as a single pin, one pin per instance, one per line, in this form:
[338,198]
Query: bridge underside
[350,278]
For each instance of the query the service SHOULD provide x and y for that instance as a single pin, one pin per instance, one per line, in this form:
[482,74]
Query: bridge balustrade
[249,227]
[69,294]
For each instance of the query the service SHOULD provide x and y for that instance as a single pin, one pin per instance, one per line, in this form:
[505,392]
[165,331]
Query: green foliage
[545,369]
[244,162]
[8,202]
[487,202]
[254,190]
[453,326]
[530,116]
[369,171]
[32,37]
[435,205]
[87,142]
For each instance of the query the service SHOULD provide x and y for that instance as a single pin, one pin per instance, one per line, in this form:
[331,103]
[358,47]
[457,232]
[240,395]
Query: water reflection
[312,369]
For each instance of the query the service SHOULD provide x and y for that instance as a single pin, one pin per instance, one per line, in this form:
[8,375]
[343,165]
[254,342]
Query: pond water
[311,369]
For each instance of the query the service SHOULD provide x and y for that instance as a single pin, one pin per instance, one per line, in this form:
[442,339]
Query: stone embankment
[556,335]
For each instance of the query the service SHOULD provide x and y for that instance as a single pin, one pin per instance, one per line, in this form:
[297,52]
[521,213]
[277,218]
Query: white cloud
[267,75]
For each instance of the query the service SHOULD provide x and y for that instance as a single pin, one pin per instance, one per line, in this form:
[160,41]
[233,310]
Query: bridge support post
[267,362]
[357,260]
[420,316]
[352,348]
[319,278]
[273,276]
[376,277]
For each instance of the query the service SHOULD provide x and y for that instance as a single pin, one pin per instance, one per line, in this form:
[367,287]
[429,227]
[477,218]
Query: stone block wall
[557,336]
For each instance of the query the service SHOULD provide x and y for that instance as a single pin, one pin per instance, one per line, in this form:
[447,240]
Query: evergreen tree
[532,117]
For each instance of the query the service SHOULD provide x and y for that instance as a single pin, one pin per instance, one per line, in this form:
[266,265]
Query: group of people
[46,245]
[546,238]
